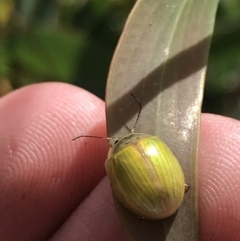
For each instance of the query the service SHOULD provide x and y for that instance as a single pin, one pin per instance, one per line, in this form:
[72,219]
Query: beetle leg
[187,187]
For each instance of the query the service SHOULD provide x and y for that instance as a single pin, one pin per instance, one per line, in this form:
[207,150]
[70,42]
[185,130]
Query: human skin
[53,188]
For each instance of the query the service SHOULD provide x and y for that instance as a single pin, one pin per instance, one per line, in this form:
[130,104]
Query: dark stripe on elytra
[173,172]
[146,200]
[164,166]
[148,164]
[135,181]
[161,180]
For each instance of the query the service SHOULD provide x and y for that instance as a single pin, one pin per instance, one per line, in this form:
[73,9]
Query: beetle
[144,174]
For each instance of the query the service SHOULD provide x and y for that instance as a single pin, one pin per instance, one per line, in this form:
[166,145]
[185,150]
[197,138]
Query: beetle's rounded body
[145,176]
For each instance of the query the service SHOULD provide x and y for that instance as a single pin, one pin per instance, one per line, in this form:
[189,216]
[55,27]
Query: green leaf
[161,58]
[48,53]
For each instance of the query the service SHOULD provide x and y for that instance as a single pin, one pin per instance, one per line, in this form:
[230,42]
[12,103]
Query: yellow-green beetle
[144,175]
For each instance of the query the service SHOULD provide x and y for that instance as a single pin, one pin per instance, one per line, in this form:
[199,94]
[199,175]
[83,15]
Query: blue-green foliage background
[74,40]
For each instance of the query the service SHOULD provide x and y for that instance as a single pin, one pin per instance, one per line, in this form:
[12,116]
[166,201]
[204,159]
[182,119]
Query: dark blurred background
[73,41]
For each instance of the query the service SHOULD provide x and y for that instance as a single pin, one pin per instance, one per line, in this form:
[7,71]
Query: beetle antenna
[98,137]
[139,112]
[112,138]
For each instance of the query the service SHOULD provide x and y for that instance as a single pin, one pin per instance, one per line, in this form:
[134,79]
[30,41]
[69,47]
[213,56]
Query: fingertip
[219,181]
[44,175]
